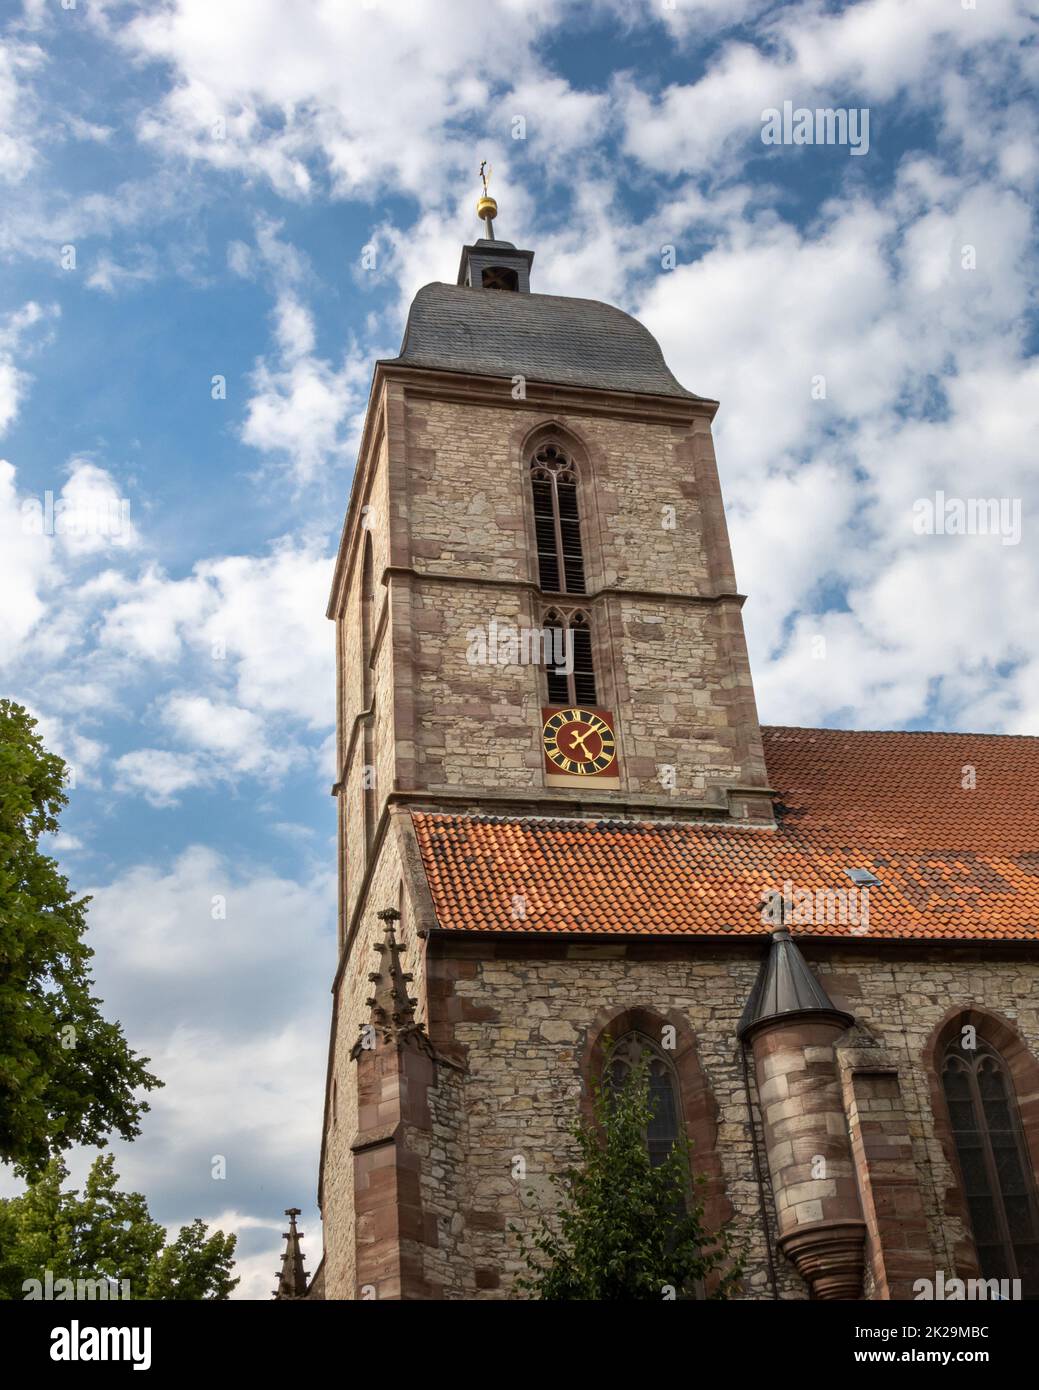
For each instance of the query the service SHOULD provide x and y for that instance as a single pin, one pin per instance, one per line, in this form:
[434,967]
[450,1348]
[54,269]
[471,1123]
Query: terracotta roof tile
[954,862]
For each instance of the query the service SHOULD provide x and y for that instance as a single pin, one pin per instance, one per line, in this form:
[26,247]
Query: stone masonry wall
[523,1086]
[523,1022]
[468,484]
[652,525]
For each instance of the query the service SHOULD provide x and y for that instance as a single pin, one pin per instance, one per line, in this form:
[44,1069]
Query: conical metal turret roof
[785,985]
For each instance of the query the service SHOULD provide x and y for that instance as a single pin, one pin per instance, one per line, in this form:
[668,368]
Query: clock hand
[579,739]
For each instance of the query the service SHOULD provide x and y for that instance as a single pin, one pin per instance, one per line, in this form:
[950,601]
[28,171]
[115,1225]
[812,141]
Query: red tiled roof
[952,862]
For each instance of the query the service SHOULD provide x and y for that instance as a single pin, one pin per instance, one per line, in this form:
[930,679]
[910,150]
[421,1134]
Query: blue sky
[219,172]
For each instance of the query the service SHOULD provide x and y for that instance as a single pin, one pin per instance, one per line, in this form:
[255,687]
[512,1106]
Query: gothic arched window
[570,637]
[665,1124]
[999,1185]
[553,479]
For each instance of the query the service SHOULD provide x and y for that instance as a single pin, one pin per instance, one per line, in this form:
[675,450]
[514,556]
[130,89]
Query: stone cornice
[528,586]
[578,945]
[561,801]
[573,400]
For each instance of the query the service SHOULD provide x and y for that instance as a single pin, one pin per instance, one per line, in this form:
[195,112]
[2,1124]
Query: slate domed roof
[543,337]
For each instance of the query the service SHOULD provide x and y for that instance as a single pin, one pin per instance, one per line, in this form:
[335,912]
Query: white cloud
[19,110]
[224,728]
[271,614]
[82,754]
[244,637]
[63,843]
[231,740]
[558,119]
[94,516]
[252,634]
[294,328]
[159,775]
[25,569]
[240,259]
[239,920]
[13,381]
[84,130]
[326,109]
[870,52]
[146,616]
[34,13]
[263,616]
[926,388]
[43,537]
[109,275]
[302,408]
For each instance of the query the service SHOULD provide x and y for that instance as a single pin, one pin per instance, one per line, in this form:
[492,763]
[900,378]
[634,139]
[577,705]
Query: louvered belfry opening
[576,687]
[499,278]
[997,1177]
[557,524]
[556,519]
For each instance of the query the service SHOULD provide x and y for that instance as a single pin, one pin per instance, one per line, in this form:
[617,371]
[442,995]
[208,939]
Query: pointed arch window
[663,1129]
[570,632]
[557,523]
[999,1185]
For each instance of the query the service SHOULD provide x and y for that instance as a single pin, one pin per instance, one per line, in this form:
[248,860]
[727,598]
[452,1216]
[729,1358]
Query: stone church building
[560,822]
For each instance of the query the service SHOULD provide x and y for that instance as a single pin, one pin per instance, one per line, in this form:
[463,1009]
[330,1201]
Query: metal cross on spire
[486,207]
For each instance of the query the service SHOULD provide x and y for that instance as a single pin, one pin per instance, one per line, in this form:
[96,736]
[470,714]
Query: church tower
[559,853]
[536,617]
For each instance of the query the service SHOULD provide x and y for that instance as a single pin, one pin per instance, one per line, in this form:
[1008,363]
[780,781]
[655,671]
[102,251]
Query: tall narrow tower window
[556,521]
[571,634]
[997,1176]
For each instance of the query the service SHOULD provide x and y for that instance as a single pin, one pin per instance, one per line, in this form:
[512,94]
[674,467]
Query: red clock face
[579,742]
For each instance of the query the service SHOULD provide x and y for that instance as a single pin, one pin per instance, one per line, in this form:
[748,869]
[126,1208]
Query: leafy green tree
[105,1234]
[67,1076]
[625,1229]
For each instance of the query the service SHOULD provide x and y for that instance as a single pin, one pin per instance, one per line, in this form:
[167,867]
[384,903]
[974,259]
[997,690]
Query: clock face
[579,743]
